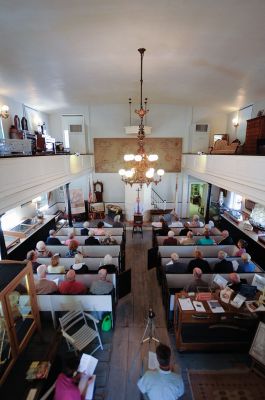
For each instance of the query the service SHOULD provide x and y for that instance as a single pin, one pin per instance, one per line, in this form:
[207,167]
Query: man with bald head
[197,282]
[226,238]
[44,285]
[199,262]
[71,286]
[101,286]
[223,266]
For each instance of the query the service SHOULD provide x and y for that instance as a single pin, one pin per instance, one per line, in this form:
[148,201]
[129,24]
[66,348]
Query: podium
[137,224]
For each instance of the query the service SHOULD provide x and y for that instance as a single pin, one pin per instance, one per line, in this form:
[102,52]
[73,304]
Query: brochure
[186,304]
[199,306]
[215,306]
[238,301]
[87,364]
[220,281]
[226,294]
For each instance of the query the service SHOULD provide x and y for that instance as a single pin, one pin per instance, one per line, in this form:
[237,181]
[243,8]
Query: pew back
[88,251]
[92,263]
[160,239]
[196,231]
[188,251]
[77,231]
[81,239]
[211,261]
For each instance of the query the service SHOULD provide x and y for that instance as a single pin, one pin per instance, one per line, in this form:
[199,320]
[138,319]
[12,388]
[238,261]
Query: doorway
[198,198]
[74,133]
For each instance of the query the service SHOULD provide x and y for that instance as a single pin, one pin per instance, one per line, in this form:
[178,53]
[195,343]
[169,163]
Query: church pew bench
[82,239]
[188,251]
[58,303]
[160,239]
[92,263]
[77,231]
[88,251]
[211,261]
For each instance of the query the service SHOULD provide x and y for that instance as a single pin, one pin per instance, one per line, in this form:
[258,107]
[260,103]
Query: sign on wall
[109,153]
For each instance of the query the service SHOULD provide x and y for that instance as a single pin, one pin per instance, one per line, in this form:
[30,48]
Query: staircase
[157,202]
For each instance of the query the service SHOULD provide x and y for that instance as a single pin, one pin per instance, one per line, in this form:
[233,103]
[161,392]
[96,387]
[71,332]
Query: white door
[74,133]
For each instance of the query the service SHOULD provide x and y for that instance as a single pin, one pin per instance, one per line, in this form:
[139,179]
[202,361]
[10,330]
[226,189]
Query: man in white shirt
[162,384]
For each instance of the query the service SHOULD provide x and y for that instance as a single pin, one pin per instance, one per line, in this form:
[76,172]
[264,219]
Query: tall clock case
[19,315]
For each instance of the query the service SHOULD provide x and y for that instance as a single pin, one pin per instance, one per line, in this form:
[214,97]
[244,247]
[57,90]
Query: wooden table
[208,331]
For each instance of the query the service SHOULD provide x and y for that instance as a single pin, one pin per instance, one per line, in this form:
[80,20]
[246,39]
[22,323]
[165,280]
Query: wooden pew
[82,239]
[77,231]
[92,263]
[211,261]
[88,251]
[58,302]
[160,239]
[188,251]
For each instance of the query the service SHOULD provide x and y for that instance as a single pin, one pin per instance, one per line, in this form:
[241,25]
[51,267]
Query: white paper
[186,304]
[87,364]
[220,281]
[199,306]
[152,360]
[56,281]
[225,294]
[235,265]
[90,389]
[170,262]
[215,306]
[259,282]
[238,301]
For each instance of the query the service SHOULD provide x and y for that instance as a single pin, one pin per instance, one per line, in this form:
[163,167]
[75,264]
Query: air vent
[202,128]
[75,128]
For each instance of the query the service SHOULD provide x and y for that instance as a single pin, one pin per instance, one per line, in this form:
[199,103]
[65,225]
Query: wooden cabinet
[208,331]
[19,315]
[255,130]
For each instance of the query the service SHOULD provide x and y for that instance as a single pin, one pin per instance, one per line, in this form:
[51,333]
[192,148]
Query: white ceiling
[57,53]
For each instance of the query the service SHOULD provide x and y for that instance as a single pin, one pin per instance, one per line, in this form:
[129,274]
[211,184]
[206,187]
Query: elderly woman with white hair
[245,265]
[107,264]
[42,250]
[223,266]
[44,285]
[79,266]
[170,241]
[91,240]
[84,230]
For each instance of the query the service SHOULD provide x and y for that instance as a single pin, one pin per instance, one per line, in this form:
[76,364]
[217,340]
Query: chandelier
[141,167]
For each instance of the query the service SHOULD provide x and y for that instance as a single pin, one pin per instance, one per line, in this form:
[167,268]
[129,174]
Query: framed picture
[257,350]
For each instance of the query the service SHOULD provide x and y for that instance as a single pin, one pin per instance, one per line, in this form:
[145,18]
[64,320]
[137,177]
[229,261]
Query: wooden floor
[128,355]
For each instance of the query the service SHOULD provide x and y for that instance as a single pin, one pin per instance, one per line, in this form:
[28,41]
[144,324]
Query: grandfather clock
[98,191]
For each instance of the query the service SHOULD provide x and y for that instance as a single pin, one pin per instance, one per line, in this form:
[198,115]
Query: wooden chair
[137,224]
[77,332]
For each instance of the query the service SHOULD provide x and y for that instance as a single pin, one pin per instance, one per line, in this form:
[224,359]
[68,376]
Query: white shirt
[161,385]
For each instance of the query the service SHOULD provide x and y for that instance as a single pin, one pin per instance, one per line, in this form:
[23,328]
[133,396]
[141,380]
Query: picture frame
[257,350]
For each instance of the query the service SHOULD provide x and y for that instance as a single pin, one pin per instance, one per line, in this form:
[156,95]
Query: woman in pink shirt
[66,386]
[241,244]
[71,238]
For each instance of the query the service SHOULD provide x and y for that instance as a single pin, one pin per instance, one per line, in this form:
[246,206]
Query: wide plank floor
[129,357]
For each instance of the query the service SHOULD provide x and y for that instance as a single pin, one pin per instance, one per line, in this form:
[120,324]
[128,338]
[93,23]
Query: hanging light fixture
[141,167]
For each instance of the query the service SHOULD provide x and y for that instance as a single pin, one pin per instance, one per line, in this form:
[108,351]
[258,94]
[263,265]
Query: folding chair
[77,332]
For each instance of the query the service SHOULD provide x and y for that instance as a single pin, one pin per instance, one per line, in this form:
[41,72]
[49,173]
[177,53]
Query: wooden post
[207,213]
[70,218]
[3,250]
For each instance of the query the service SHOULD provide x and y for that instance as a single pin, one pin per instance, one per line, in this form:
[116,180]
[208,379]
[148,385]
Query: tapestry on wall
[109,153]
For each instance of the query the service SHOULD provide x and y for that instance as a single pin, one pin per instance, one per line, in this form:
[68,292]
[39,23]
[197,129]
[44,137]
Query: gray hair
[78,258]
[174,256]
[52,232]
[222,254]
[40,245]
[171,233]
[91,232]
[246,257]
[107,259]
[86,224]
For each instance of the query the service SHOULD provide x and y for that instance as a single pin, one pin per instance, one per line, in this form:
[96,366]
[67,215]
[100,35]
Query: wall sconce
[4,111]
[235,122]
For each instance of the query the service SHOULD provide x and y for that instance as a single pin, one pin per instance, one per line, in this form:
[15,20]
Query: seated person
[226,238]
[199,262]
[242,245]
[185,230]
[206,240]
[79,266]
[176,223]
[116,222]
[66,385]
[32,256]
[55,267]
[107,264]
[174,266]
[170,241]
[99,230]
[42,250]
[71,286]
[101,286]
[223,266]
[163,231]
[72,249]
[71,238]
[91,240]
[44,285]
[209,228]
[197,282]
[235,282]
[52,240]
[195,223]
[84,230]
[109,240]
[188,241]
[163,384]
[158,224]
[245,265]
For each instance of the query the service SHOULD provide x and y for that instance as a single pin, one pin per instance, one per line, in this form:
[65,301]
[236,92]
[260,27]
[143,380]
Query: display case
[19,315]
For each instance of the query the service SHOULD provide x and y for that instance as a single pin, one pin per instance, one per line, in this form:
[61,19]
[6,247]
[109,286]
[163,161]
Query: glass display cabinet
[19,315]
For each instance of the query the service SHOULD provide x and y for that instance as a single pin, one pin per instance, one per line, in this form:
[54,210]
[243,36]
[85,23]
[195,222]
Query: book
[226,294]
[38,370]
[199,306]
[87,364]
[215,306]
[238,301]
[220,281]
[186,304]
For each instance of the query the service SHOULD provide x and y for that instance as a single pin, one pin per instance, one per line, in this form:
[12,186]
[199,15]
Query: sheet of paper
[220,281]
[90,389]
[238,301]
[186,304]
[56,281]
[235,265]
[170,262]
[215,306]
[87,364]
[225,294]
[199,306]
[152,360]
